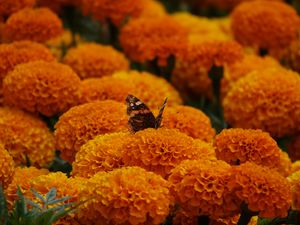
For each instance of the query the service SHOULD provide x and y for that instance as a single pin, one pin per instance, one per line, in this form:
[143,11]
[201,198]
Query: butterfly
[140,116]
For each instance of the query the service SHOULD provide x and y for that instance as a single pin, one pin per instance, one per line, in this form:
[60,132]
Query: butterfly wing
[159,116]
[140,116]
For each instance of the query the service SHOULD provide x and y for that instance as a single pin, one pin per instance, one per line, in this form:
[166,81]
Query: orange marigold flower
[294,180]
[285,164]
[39,24]
[190,121]
[162,149]
[295,166]
[267,100]
[265,24]
[294,148]
[150,88]
[241,68]
[191,70]
[146,39]
[95,60]
[236,146]
[114,11]
[82,123]
[263,190]
[25,135]
[8,7]
[21,178]
[7,167]
[200,188]
[49,88]
[129,195]
[103,153]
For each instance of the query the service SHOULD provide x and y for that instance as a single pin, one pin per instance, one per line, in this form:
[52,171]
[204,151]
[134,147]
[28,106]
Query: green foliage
[27,212]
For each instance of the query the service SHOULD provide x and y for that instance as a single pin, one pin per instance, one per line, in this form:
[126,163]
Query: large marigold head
[48,88]
[129,195]
[267,100]
[294,180]
[236,146]
[8,7]
[200,188]
[162,149]
[103,153]
[150,89]
[190,121]
[26,136]
[265,24]
[114,11]
[21,179]
[95,60]
[191,70]
[39,24]
[82,123]
[147,39]
[262,189]
[241,68]
[7,167]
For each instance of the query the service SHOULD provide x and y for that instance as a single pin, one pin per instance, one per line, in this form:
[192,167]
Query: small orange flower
[200,188]
[147,39]
[129,195]
[294,180]
[190,121]
[95,60]
[162,149]
[265,24]
[115,11]
[82,123]
[103,153]
[236,146]
[267,100]
[8,7]
[7,167]
[49,88]
[39,24]
[25,135]
[21,178]
[241,68]
[263,190]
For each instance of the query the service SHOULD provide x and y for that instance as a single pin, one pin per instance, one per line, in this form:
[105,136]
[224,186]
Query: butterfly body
[140,116]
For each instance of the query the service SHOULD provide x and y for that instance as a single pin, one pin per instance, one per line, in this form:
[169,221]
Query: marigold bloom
[267,100]
[295,166]
[95,60]
[103,153]
[23,134]
[265,24]
[285,164]
[146,39]
[47,87]
[160,150]
[150,89]
[22,178]
[190,121]
[191,70]
[294,148]
[294,180]
[200,188]
[263,190]
[39,24]
[241,68]
[114,11]
[129,195]
[8,7]
[7,167]
[236,146]
[82,123]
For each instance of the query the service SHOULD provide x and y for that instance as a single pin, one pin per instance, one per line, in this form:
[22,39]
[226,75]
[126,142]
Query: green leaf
[3,208]
[37,195]
[51,195]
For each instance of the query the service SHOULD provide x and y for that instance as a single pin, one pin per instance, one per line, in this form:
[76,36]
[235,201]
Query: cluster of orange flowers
[184,169]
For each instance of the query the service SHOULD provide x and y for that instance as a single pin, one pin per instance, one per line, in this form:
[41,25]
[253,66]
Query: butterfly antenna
[159,116]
